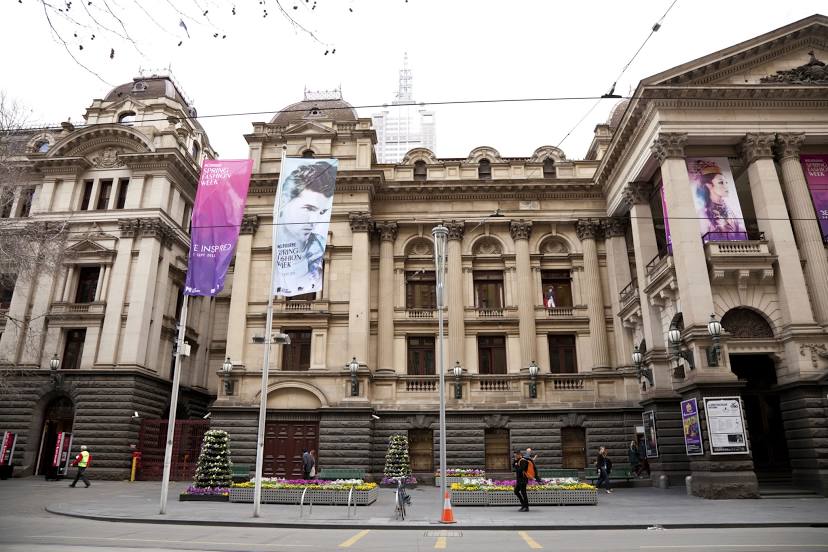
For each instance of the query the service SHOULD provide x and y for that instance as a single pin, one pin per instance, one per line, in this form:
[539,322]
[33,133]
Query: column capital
[387,230]
[669,145]
[455,229]
[635,193]
[757,145]
[520,229]
[615,227]
[788,144]
[588,229]
[129,227]
[360,222]
[249,224]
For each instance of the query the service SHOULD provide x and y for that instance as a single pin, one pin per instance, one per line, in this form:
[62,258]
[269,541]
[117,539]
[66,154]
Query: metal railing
[751,235]
[628,293]
[302,504]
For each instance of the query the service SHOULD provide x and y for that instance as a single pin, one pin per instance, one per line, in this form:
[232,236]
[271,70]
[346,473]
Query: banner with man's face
[302,215]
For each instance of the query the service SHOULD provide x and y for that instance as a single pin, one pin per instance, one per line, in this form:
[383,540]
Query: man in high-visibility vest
[82,461]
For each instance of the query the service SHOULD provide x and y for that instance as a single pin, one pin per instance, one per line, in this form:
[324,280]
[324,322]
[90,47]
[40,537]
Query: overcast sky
[458,50]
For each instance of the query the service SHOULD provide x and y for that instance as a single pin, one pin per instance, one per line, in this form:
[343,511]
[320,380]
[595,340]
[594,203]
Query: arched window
[420,171]
[196,151]
[42,146]
[549,168]
[126,118]
[484,170]
[308,154]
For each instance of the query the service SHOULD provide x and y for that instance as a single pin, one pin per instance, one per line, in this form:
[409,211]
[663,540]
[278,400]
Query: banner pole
[257,491]
[179,349]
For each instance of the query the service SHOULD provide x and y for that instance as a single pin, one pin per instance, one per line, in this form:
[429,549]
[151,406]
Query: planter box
[313,496]
[184,497]
[455,479]
[536,498]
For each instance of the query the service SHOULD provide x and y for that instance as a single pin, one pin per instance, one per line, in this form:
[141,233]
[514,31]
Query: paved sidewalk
[632,508]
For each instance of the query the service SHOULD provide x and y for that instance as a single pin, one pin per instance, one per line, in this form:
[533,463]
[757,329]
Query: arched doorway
[58,417]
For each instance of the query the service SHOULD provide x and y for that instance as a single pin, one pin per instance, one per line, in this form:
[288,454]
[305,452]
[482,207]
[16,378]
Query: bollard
[663,482]
[688,482]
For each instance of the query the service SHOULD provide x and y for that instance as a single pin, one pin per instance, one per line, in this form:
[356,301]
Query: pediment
[96,138]
[87,248]
[309,128]
[792,50]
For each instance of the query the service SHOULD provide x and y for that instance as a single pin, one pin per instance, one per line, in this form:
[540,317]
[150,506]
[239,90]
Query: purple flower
[205,491]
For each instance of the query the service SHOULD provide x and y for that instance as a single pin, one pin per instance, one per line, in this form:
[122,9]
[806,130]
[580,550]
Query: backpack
[530,469]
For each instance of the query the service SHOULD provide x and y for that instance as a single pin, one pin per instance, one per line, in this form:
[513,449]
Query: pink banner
[816,174]
[217,216]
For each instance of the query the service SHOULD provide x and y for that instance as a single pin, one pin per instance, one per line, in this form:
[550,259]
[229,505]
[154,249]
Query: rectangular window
[491,354]
[26,197]
[557,288]
[123,188]
[7,283]
[73,349]
[103,196]
[488,289]
[87,284]
[421,356]
[562,357]
[296,356]
[87,195]
[420,290]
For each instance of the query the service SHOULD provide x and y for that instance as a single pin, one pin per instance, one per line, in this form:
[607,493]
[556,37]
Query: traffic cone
[448,515]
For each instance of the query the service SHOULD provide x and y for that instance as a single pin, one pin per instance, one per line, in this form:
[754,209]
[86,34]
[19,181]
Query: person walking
[307,464]
[635,458]
[82,461]
[604,465]
[314,469]
[520,464]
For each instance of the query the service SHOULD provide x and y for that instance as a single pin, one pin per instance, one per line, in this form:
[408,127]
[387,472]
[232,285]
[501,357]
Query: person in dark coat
[604,465]
[519,464]
[635,458]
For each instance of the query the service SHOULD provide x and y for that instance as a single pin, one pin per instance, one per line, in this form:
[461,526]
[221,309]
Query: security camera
[207,415]
[374,416]
[135,414]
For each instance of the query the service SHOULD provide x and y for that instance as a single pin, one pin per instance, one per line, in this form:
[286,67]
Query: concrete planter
[184,497]
[313,496]
[536,498]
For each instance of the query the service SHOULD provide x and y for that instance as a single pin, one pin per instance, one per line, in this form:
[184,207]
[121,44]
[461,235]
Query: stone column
[116,293]
[618,269]
[773,220]
[163,293]
[588,231]
[456,312]
[688,250]
[521,230]
[359,312]
[143,274]
[237,321]
[806,229]
[385,304]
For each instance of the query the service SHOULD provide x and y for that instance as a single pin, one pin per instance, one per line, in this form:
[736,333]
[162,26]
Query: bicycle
[401,499]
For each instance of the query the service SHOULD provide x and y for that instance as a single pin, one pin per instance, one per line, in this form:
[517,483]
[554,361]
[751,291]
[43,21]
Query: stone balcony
[629,301]
[301,307]
[92,310]
[662,285]
[740,260]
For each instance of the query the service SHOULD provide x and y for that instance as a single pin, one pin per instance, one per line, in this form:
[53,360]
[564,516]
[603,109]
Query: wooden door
[283,446]
[421,450]
[573,445]
[496,443]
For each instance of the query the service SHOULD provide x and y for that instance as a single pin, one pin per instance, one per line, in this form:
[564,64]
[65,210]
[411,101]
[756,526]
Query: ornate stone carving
[669,145]
[129,227]
[487,246]
[151,229]
[520,229]
[744,323]
[106,158]
[636,193]
[588,229]
[813,72]
[573,420]
[249,224]
[553,246]
[421,248]
[455,230]
[421,421]
[615,227]
[816,350]
[388,230]
[757,145]
[788,144]
[496,421]
[360,222]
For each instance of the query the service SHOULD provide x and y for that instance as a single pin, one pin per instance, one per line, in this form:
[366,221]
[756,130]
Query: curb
[402,526]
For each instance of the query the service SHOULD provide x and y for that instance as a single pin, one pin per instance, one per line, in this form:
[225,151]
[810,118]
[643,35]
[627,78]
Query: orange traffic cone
[448,515]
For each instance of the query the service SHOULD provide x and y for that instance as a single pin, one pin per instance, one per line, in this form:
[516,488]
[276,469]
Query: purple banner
[692,427]
[816,173]
[217,215]
[666,220]
[717,205]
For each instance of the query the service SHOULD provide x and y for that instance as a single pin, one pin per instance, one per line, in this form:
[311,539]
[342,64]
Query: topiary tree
[214,462]
[397,463]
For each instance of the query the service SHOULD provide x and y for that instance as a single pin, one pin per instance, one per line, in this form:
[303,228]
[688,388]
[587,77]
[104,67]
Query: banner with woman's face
[302,214]
[717,204]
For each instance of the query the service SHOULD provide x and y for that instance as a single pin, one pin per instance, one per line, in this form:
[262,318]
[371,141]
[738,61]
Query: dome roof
[147,88]
[617,114]
[330,110]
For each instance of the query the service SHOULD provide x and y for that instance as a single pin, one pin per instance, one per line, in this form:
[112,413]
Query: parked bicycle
[401,500]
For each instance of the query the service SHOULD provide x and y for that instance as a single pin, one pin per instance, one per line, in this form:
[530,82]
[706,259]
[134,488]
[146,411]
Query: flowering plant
[313,484]
[463,472]
[407,480]
[205,491]
[554,484]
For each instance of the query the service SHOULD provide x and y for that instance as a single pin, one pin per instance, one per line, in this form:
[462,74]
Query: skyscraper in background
[403,125]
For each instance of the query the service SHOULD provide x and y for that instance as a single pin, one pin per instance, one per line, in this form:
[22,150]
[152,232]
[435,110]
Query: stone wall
[806,428]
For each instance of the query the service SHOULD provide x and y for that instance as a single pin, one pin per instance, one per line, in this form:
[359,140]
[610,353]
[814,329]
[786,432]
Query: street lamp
[54,376]
[440,234]
[458,387]
[533,384]
[227,369]
[353,367]
[638,359]
[714,328]
[674,336]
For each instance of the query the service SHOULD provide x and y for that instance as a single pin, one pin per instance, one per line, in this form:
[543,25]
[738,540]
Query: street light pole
[440,234]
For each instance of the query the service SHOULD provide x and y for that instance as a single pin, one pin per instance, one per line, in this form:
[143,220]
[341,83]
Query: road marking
[350,542]
[441,542]
[723,546]
[63,537]
[533,544]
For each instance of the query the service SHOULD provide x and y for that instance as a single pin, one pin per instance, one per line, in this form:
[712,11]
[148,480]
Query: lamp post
[714,328]
[54,376]
[353,367]
[638,359]
[533,384]
[674,336]
[440,234]
[458,387]
[227,369]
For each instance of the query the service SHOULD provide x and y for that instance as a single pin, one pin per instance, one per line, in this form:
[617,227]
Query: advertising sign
[650,438]
[7,448]
[666,219]
[60,459]
[692,427]
[302,213]
[726,425]
[816,174]
[717,205]
[217,216]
